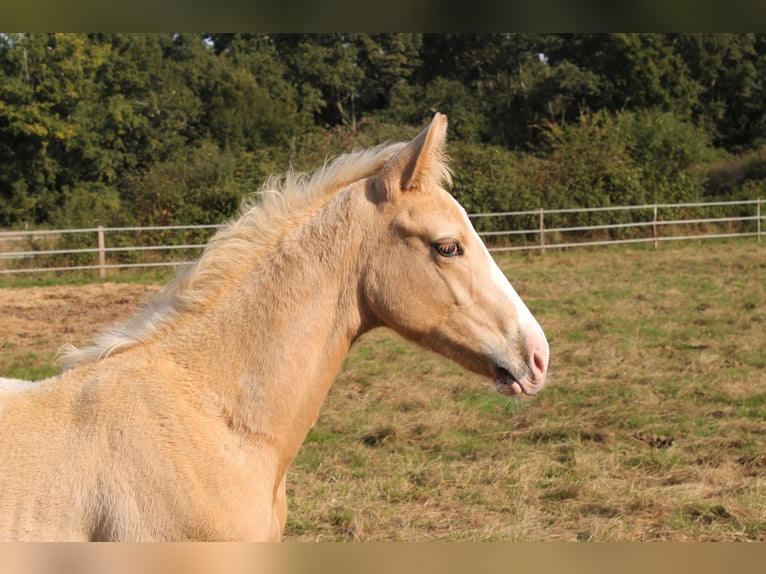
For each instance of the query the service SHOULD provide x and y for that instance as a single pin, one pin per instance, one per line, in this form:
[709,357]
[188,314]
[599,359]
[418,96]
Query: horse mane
[281,204]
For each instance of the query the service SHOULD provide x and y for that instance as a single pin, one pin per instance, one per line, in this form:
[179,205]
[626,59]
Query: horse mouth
[506,383]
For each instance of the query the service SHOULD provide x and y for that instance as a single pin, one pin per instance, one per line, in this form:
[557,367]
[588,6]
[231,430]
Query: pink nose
[539,355]
[538,365]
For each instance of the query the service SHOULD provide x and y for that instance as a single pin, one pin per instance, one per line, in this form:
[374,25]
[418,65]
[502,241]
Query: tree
[626,71]
[324,70]
[250,102]
[41,81]
[387,61]
[729,69]
[88,119]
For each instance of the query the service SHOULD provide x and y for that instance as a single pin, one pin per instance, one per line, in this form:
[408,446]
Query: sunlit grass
[29,366]
[84,278]
[651,426]
[647,430]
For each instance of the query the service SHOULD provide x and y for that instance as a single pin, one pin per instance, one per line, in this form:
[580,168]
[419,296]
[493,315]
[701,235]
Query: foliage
[600,160]
[738,176]
[89,121]
[195,186]
[628,158]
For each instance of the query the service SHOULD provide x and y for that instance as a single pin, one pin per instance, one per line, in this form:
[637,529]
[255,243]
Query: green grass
[80,278]
[651,426]
[29,366]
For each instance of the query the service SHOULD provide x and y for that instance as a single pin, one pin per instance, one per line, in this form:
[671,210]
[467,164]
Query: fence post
[758,218]
[101,253]
[542,232]
[654,226]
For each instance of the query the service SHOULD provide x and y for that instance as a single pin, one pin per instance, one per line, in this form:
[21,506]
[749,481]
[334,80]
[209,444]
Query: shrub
[198,186]
[670,153]
[737,177]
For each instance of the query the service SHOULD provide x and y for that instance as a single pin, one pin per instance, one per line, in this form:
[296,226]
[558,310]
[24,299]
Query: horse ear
[420,163]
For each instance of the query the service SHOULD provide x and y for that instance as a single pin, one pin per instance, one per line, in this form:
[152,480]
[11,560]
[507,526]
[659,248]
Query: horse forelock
[235,248]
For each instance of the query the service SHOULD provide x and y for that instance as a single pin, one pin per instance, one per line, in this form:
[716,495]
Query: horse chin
[508,389]
[507,384]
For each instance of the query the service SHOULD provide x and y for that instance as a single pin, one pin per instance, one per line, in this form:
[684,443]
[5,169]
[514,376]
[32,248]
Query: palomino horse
[181,423]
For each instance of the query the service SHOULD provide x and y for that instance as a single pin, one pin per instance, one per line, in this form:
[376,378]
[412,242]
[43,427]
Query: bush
[88,204]
[670,153]
[491,179]
[737,177]
[602,160]
[629,158]
[196,187]
[588,164]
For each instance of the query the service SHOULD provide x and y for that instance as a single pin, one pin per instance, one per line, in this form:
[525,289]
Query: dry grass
[653,426]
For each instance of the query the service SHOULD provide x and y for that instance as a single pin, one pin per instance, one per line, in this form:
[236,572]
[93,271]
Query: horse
[181,422]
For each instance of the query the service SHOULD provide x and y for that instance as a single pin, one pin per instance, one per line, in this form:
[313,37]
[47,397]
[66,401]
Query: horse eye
[449,249]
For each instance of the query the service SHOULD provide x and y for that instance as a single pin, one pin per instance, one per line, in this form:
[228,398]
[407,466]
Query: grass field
[652,426]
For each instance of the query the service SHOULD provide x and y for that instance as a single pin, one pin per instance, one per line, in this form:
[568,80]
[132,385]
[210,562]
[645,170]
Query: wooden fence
[104,248]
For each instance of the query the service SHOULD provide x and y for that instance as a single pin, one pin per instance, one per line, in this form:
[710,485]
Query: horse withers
[181,423]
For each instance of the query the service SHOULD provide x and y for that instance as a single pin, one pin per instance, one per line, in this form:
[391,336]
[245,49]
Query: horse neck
[275,340]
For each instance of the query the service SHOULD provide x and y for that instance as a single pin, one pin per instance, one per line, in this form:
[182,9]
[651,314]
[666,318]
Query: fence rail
[106,248]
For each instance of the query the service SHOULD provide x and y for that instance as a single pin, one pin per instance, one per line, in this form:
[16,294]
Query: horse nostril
[538,365]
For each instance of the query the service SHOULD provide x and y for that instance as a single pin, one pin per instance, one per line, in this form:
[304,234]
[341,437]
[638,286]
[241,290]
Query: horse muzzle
[535,375]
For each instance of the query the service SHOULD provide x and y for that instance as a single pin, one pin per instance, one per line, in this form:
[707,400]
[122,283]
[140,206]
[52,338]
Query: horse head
[431,278]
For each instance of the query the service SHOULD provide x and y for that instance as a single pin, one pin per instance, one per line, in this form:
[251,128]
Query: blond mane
[235,248]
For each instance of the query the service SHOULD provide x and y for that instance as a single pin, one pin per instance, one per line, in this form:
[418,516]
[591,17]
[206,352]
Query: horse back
[112,451]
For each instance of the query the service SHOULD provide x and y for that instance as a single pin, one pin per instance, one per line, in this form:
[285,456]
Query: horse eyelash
[439,248]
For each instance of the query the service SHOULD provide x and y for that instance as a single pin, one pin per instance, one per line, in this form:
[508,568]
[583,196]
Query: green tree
[387,61]
[42,79]
[250,103]
[625,71]
[324,69]
[198,185]
[729,69]
[102,123]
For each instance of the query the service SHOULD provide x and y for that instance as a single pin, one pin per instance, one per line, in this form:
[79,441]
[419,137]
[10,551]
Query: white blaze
[530,328]
[528,325]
